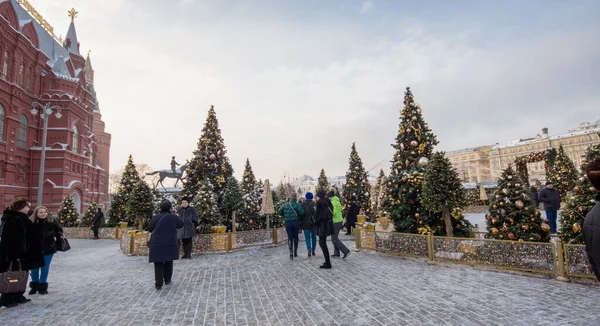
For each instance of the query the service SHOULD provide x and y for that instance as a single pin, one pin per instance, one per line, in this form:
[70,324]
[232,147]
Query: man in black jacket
[96,222]
[591,224]
[551,199]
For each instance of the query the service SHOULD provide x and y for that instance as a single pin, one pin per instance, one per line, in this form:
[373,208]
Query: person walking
[19,247]
[338,245]
[591,224]
[351,215]
[163,243]
[96,223]
[551,200]
[292,213]
[323,225]
[48,230]
[189,216]
[310,211]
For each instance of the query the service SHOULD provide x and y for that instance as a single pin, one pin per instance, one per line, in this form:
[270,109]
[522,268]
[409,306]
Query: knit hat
[309,195]
[321,194]
[185,198]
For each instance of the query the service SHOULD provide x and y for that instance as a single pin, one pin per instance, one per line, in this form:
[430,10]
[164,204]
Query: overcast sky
[294,83]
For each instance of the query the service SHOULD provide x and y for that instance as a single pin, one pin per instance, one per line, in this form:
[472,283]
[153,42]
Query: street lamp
[45,112]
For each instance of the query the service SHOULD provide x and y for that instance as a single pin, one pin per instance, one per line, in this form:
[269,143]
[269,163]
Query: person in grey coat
[163,243]
[189,216]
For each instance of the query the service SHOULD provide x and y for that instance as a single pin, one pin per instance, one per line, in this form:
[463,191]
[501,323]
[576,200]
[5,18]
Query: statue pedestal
[168,190]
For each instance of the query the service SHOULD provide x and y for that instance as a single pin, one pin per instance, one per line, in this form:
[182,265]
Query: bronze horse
[178,174]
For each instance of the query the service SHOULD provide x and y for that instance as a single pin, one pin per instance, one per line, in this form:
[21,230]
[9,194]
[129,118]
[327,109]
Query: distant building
[472,164]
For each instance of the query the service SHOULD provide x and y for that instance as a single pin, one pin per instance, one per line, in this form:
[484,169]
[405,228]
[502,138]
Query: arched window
[21,70]
[22,138]
[5,65]
[75,139]
[1,122]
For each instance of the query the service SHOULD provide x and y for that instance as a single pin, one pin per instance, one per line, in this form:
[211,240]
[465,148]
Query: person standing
[551,200]
[163,243]
[292,213]
[533,193]
[189,216]
[351,215]
[323,225]
[48,230]
[338,245]
[310,211]
[591,224]
[19,245]
[96,222]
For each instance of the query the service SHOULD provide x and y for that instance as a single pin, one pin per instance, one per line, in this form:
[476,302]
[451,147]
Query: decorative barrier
[548,258]
[87,233]
[576,262]
[135,243]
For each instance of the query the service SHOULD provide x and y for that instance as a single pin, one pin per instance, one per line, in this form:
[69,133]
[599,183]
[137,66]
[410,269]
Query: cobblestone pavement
[95,284]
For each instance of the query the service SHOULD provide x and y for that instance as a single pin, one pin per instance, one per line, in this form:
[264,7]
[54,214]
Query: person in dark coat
[292,213]
[96,222]
[310,211]
[18,245]
[351,215]
[163,243]
[551,199]
[324,224]
[591,224]
[533,193]
[189,216]
[48,231]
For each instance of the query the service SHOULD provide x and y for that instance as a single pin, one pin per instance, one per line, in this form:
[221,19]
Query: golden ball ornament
[510,236]
[545,227]
[576,227]
[525,227]
[414,143]
[212,157]
[519,203]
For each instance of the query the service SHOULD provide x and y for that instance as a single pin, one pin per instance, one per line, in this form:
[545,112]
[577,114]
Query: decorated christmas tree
[357,188]
[119,211]
[209,160]
[248,217]
[67,213]
[414,147]
[206,203]
[511,215]
[232,200]
[88,216]
[378,194]
[563,174]
[141,204]
[443,198]
[282,191]
[583,198]
[322,182]
[276,220]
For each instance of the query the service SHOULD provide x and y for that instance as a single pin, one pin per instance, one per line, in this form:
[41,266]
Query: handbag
[13,281]
[62,244]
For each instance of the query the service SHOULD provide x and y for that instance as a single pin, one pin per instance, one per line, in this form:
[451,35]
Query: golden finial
[73,14]
[89,51]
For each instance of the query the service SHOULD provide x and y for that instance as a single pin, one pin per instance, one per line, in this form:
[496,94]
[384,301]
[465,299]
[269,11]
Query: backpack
[311,212]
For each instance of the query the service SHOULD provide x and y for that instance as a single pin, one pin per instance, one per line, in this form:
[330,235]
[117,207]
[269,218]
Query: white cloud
[367,6]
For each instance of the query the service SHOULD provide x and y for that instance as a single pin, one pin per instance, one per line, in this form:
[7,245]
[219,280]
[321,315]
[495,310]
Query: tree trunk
[141,225]
[448,220]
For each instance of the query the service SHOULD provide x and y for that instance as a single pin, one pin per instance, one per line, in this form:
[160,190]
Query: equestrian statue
[172,173]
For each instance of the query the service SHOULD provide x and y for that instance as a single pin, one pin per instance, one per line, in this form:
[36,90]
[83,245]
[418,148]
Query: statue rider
[174,165]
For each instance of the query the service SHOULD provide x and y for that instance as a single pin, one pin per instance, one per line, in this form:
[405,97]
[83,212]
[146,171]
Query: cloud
[366,7]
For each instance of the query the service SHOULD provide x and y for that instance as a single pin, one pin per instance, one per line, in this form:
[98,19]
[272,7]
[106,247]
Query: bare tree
[114,180]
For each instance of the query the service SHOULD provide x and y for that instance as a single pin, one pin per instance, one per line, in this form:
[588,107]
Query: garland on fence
[548,156]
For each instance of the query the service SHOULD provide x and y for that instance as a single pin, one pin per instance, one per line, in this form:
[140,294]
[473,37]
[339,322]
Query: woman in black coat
[351,215]
[591,223]
[163,243]
[18,245]
[324,224]
[48,231]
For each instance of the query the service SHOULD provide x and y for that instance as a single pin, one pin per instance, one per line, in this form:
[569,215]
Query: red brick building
[35,66]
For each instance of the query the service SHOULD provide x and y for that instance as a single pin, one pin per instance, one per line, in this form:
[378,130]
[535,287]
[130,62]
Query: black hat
[548,183]
[186,198]
[331,194]
[165,206]
[321,194]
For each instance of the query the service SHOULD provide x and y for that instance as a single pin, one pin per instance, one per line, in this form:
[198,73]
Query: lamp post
[45,113]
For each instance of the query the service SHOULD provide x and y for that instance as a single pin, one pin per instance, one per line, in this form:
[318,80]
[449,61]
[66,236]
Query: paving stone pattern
[95,284]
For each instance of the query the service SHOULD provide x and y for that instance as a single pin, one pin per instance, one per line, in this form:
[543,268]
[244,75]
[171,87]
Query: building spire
[71,43]
[73,14]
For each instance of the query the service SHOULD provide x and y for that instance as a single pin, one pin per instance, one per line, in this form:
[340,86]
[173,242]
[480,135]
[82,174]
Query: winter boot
[43,288]
[291,248]
[34,287]
[296,247]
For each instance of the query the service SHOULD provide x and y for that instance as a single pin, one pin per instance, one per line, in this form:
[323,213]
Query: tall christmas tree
[206,202]
[209,160]
[378,193]
[67,213]
[511,215]
[232,200]
[563,174]
[282,191]
[414,147]
[357,188]
[119,211]
[443,197]
[248,218]
[583,198]
[88,216]
[322,183]
[141,204]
